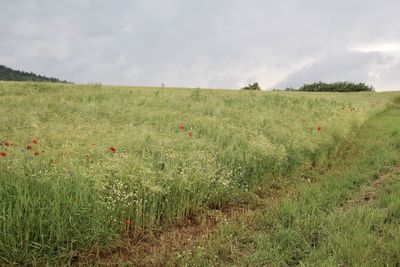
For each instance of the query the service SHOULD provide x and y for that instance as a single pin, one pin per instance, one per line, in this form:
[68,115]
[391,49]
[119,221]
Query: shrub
[336,87]
[253,86]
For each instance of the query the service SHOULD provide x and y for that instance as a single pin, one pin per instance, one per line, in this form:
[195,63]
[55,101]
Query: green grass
[77,194]
[348,216]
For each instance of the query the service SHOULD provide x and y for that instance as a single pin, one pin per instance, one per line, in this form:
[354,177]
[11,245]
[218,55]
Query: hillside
[8,74]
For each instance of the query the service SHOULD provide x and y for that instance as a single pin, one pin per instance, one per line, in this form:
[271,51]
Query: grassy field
[81,165]
[346,213]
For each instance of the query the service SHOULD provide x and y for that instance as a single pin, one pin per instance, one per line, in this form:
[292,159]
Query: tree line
[8,74]
[321,87]
[334,87]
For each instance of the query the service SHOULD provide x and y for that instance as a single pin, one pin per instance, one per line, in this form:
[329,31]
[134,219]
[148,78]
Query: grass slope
[64,189]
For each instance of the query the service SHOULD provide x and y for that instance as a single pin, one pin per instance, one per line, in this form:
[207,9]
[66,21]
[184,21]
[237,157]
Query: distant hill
[8,74]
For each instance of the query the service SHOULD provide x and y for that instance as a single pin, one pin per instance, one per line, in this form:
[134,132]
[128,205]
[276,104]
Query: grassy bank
[82,164]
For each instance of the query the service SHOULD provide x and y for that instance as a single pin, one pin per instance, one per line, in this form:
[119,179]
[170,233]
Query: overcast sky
[207,43]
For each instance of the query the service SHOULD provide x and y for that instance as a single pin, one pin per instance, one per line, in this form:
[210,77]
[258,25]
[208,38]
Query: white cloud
[391,48]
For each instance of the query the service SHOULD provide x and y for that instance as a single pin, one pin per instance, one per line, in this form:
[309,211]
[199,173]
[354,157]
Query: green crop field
[82,165]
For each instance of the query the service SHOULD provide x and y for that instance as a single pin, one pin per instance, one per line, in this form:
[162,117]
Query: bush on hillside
[336,87]
[253,86]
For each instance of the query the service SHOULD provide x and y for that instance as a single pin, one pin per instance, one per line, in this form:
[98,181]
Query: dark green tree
[336,87]
[253,86]
[8,74]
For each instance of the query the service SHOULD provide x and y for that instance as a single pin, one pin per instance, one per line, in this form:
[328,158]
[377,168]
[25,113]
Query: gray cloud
[221,44]
[344,66]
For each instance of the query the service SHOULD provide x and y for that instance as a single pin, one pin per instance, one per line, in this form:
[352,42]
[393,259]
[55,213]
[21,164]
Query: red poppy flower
[37,153]
[7,144]
[318,129]
[113,149]
[3,154]
[29,147]
[190,133]
[128,222]
[35,141]
[182,126]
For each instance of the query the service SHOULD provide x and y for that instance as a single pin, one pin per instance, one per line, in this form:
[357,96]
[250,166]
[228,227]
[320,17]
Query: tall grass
[347,216]
[76,192]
